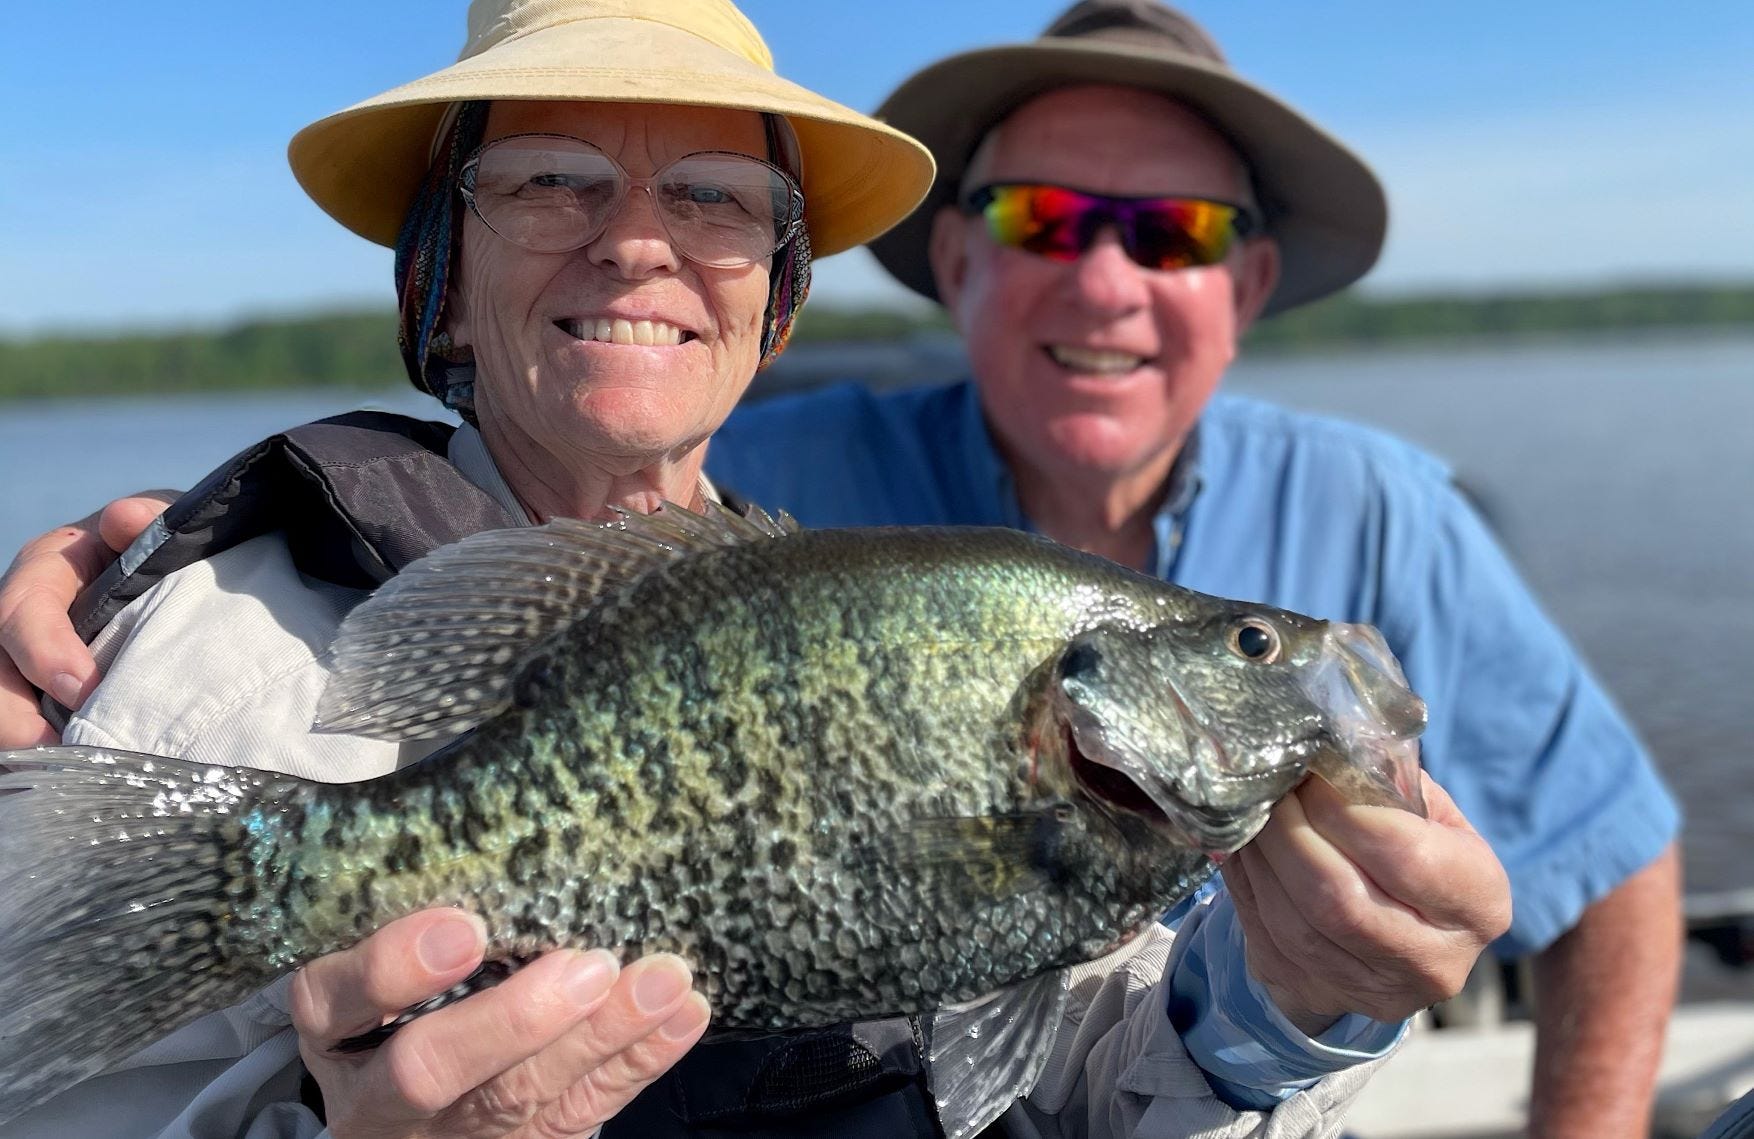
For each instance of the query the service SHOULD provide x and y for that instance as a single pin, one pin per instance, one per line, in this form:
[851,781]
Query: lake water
[1619,472]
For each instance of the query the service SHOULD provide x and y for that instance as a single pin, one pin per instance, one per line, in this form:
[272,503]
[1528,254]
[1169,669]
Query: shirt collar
[1170,520]
[468,453]
[986,470]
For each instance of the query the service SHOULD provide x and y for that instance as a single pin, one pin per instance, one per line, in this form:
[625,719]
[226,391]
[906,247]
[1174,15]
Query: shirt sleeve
[1253,1055]
[1521,734]
[1119,1068]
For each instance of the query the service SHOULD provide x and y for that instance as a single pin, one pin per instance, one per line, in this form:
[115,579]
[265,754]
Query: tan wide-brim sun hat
[1322,204]
[364,165]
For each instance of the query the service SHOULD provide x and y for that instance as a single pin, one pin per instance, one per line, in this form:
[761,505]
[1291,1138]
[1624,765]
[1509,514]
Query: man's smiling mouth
[1094,361]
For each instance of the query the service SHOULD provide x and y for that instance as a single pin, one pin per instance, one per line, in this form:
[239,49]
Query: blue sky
[1545,143]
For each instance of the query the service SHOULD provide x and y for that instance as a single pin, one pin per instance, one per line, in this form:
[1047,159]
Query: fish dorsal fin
[988,1053]
[434,651]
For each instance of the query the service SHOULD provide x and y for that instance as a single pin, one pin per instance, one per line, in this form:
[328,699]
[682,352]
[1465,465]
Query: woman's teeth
[618,331]
[1098,361]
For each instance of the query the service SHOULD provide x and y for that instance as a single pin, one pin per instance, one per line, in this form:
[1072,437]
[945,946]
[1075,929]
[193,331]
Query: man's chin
[1101,445]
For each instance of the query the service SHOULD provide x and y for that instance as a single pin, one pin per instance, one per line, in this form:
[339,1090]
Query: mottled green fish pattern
[845,774]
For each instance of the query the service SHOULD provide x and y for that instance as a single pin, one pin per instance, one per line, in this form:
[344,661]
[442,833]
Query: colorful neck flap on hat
[432,232]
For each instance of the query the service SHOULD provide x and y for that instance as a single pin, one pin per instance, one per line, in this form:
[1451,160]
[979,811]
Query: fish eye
[1255,640]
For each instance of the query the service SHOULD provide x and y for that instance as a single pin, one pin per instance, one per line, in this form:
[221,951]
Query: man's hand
[556,1050]
[1372,910]
[38,648]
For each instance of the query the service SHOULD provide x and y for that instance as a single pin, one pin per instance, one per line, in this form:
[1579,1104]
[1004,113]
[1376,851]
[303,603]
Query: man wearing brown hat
[1114,206]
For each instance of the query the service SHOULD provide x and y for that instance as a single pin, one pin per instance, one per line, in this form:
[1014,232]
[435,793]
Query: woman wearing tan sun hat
[604,215]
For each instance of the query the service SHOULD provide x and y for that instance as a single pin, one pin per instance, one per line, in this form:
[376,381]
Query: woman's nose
[635,241]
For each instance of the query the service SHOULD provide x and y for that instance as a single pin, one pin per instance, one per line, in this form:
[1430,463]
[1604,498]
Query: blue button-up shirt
[1329,519]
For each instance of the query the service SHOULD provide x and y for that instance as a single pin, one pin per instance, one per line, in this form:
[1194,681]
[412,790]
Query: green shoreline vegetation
[358,349]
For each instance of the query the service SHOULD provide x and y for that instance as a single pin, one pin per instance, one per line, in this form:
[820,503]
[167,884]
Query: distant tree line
[1351,318]
[354,350]
[358,349]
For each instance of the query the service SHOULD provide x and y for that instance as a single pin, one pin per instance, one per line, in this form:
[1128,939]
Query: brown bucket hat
[1323,205]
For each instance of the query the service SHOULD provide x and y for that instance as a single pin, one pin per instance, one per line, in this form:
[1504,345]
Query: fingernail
[686,1021]
[590,976]
[659,985]
[451,944]
[67,689]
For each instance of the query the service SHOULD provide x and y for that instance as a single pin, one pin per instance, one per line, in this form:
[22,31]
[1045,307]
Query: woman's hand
[1372,910]
[555,1050]
[38,647]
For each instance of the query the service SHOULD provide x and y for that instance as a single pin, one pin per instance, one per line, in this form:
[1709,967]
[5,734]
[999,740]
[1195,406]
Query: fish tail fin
[118,876]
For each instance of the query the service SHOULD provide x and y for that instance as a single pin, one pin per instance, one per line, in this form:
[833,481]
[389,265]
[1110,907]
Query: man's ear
[948,252]
[1255,277]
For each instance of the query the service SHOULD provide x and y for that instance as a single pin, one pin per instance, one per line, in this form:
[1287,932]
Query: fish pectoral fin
[987,858]
[435,651]
[985,1055]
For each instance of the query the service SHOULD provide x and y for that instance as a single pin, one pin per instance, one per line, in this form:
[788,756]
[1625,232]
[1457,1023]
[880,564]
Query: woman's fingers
[408,961]
[591,1071]
[603,1092]
[473,1059]
[566,1041]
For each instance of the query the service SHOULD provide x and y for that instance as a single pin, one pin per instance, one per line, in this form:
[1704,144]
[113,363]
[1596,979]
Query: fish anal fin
[986,1054]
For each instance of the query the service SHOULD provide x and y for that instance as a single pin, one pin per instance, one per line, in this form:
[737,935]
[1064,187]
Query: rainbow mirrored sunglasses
[1158,233]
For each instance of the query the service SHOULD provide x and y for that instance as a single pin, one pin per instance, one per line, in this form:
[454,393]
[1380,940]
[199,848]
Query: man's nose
[635,241]
[1106,279]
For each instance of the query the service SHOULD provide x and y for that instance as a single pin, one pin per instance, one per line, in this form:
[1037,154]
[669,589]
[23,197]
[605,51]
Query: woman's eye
[702,194]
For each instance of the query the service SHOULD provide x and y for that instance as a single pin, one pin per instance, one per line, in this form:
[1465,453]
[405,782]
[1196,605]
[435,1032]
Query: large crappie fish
[846,774]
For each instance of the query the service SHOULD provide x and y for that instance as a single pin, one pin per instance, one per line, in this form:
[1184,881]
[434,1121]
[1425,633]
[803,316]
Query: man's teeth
[1098,360]
[625,331]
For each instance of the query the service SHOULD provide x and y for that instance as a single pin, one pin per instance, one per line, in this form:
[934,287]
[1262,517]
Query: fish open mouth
[1110,784]
[1214,830]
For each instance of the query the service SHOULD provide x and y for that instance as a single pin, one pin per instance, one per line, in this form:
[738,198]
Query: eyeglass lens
[552,194]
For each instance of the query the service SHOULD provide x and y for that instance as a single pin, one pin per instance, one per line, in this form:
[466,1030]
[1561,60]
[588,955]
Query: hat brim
[364,165]
[1324,207]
